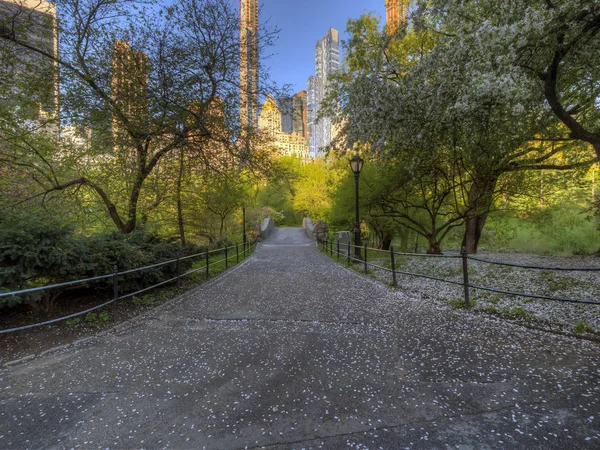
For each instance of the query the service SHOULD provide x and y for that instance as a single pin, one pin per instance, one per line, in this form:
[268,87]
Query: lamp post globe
[356,164]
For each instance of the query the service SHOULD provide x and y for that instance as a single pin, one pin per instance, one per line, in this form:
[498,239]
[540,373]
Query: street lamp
[356,164]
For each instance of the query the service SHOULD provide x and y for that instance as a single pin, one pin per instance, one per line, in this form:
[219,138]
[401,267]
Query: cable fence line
[360,255]
[247,250]
[53,286]
[526,266]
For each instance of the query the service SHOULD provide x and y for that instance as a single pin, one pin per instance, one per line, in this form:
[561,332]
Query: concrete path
[290,350]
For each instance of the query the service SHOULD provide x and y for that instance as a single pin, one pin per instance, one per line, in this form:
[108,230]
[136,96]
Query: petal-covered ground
[291,350]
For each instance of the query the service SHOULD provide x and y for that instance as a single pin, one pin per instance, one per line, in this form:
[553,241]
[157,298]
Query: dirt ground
[33,341]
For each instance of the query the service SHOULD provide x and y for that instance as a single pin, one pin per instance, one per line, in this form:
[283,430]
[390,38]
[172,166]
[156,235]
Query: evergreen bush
[38,250]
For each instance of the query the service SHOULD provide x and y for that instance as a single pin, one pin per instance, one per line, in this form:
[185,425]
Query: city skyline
[292,58]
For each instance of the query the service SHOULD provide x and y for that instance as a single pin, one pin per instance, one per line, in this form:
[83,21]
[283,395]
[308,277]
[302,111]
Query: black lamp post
[356,164]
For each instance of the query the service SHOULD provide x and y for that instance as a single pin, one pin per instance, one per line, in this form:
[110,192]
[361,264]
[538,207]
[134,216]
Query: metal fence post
[237,254]
[207,268]
[348,252]
[393,258]
[465,267]
[331,248]
[366,264]
[177,273]
[115,282]
[226,260]
[338,249]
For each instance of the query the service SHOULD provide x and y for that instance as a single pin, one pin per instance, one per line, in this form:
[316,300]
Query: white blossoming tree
[452,85]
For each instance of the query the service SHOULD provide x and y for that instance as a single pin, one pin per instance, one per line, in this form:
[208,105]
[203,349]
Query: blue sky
[302,23]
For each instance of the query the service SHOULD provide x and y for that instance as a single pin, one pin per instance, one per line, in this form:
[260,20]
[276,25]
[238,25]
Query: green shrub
[223,242]
[499,232]
[38,250]
[583,327]
[91,317]
[95,318]
[130,251]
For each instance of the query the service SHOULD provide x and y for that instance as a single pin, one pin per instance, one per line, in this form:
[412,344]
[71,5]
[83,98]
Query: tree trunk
[386,242]
[134,197]
[481,196]
[473,229]
[434,246]
[179,208]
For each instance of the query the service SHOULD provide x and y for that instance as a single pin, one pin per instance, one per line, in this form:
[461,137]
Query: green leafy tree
[314,189]
[176,61]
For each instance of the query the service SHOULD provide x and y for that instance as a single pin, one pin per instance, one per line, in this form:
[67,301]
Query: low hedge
[37,250]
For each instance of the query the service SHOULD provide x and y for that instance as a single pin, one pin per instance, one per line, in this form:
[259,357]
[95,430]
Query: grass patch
[518,314]
[459,303]
[583,327]
[489,297]
[555,283]
[491,309]
[154,298]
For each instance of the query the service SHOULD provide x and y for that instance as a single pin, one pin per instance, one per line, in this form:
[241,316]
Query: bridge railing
[385,260]
[208,263]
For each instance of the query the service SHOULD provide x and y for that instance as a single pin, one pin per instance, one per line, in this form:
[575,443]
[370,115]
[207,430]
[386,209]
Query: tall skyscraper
[269,120]
[396,14]
[311,107]
[300,114]
[327,62]
[286,144]
[248,63]
[294,116]
[129,89]
[286,107]
[29,80]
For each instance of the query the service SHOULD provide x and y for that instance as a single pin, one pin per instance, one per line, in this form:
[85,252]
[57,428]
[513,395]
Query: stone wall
[267,227]
[318,231]
[309,228]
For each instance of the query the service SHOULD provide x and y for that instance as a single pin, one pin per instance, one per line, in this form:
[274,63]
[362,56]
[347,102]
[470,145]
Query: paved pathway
[290,350]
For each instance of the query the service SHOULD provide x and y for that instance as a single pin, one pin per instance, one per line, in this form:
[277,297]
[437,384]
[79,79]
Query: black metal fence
[349,253]
[229,253]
